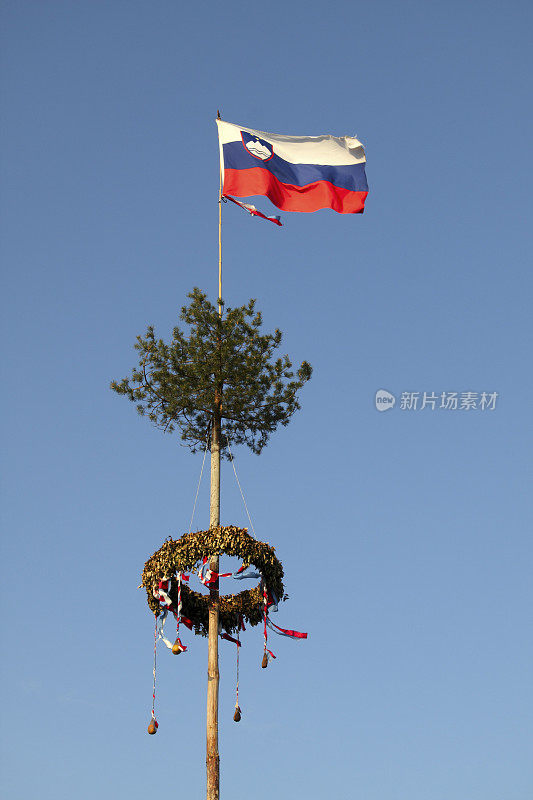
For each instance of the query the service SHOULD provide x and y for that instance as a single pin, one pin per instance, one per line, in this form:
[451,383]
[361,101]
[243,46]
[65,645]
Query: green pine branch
[175,384]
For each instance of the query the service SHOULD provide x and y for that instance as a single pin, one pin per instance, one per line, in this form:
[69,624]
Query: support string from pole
[240,489]
[199,481]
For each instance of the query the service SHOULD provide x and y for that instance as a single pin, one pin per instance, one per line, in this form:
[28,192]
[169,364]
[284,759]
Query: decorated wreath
[190,553]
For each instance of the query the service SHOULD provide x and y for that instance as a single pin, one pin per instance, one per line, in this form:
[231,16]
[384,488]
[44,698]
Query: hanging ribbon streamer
[272,603]
[284,631]
[253,210]
[208,576]
[161,620]
[204,573]
[229,638]
[246,572]
[237,715]
[154,725]
[162,593]
[178,647]
[267,654]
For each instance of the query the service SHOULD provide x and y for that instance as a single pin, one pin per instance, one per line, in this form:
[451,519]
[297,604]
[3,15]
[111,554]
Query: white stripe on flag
[325,149]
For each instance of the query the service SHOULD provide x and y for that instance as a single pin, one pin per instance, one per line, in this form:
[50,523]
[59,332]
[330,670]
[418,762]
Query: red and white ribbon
[155,672]
[268,601]
[178,614]
[265,618]
[208,576]
[229,638]
[161,627]
[284,631]
[253,210]
[162,594]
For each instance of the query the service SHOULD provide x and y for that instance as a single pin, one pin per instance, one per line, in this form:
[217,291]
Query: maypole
[213,677]
[220,372]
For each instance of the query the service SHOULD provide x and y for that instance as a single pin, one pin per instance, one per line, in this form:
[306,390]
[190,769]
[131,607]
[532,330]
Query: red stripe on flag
[314,196]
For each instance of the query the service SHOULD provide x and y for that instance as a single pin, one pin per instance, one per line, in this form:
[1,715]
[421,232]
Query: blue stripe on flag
[346,176]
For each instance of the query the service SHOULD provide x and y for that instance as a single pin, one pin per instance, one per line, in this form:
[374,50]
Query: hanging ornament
[177,647]
[153,725]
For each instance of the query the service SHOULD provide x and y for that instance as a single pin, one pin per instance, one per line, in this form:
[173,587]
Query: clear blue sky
[405,535]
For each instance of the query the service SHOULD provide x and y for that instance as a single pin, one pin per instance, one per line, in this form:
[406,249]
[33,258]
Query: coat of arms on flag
[297,173]
[256,146]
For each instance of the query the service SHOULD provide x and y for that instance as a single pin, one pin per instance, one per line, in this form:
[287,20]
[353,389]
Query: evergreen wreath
[186,554]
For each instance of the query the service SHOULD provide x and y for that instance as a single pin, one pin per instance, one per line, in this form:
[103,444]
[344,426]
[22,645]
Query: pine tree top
[223,363]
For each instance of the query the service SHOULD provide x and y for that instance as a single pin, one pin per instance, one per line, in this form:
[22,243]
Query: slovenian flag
[297,173]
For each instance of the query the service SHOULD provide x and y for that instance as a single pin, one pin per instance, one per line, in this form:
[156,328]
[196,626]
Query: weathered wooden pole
[212,754]
[213,758]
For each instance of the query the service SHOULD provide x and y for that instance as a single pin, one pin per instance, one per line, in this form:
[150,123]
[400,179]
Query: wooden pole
[212,755]
[213,677]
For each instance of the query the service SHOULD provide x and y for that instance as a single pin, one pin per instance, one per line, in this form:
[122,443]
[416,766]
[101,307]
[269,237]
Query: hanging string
[264,662]
[199,481]
[178,647]
[268,655]
[154,725]
[237,714]
[240,488]
[237,686]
